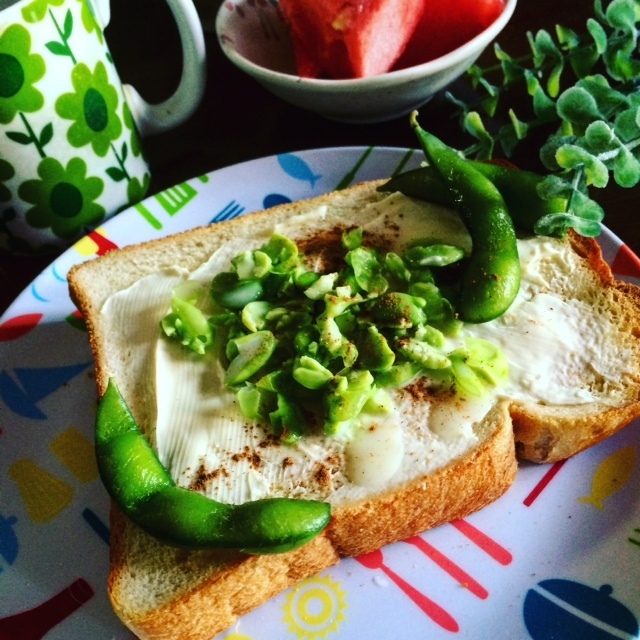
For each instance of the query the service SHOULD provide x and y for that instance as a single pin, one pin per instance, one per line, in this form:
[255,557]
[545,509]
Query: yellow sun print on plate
[315,608]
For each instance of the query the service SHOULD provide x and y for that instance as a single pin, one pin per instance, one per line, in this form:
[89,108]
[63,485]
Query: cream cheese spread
[550,339]
[558,347]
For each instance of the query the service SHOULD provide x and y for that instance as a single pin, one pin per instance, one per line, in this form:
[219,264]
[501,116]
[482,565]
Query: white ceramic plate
[557,557]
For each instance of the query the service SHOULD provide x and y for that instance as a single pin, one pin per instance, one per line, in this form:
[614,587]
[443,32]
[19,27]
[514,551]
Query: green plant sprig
[585,89]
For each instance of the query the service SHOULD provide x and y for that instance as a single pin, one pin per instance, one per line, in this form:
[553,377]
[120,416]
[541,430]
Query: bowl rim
[447,61]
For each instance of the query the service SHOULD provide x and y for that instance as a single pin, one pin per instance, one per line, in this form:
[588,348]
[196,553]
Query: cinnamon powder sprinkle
[323,475]
[203,477]
[254,458]
[325,247]
[420,391]
[269,441]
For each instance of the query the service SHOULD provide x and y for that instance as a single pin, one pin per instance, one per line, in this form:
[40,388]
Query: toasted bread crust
[544,434]
[218,586]
[463,486]
[162,592]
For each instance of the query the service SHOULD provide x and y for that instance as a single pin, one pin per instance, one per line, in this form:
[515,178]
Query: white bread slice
[161,592]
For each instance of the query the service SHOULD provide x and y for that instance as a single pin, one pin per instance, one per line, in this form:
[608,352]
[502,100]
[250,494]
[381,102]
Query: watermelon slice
[445,25]
[349,39]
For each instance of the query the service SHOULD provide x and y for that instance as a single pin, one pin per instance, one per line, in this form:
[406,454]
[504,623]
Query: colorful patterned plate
[557,557]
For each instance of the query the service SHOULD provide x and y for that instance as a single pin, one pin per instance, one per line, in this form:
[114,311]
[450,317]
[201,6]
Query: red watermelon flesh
[446,25]
[338,39]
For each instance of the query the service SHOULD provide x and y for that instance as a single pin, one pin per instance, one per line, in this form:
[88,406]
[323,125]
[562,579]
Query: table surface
[239,120]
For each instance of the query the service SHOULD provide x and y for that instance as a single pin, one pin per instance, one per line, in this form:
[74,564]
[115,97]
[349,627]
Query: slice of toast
[162,592]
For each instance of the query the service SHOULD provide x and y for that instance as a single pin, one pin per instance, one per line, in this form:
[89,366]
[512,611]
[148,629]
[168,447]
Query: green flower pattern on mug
[92,107]
[127,118]
[63,195]
[136,190]
[19,71]
[6,173]
[89,20]
[63,198]
[35,11]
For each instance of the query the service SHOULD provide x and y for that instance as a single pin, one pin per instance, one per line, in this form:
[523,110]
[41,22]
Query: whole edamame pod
[518,188]
[491,277]
[141,486]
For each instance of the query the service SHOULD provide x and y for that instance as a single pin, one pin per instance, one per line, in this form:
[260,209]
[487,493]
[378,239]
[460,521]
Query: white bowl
[255,38]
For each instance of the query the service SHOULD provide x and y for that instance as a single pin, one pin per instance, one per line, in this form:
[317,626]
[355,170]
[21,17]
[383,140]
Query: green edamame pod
[518,188]
[142,487]
[491,278]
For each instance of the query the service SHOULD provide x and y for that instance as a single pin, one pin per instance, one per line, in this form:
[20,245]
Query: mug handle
[156,118]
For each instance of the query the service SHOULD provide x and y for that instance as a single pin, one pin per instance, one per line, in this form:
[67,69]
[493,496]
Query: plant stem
[32,135]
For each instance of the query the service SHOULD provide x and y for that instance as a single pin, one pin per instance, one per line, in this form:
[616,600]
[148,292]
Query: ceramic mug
[70,152]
